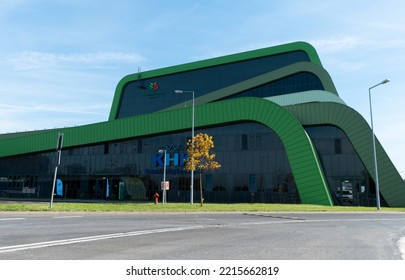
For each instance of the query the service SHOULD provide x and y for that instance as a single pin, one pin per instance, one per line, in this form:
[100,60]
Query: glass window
[259,166]
[341,164]
[338,146]
[244,142]
[151,95]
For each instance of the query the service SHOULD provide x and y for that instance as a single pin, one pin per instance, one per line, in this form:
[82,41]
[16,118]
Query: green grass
[181,207]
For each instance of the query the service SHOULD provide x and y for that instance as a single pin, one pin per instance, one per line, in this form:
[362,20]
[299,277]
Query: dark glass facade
[299,82]
[151,95]
[254,163]
[348,179]
[255,168]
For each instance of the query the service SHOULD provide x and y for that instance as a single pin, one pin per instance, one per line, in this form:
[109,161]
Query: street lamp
[377,187]
[192,143]
[164,175]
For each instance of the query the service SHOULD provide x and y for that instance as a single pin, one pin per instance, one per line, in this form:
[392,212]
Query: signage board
[164,185]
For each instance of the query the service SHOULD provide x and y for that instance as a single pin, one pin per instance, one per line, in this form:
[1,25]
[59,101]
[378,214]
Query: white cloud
[334,45]
[34,60]
[87,110]
[17,118]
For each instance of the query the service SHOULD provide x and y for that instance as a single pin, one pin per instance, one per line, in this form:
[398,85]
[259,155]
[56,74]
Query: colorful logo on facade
[153,90]
[154,86]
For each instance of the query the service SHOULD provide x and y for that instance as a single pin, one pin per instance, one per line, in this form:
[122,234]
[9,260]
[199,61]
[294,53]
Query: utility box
[121,191]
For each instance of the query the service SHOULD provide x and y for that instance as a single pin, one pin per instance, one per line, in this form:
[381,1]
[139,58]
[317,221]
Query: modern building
[282,135]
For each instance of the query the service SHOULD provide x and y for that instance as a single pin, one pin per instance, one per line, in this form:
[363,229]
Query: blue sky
[60,60]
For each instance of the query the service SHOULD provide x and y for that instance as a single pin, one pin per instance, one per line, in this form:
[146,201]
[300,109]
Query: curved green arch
[305,97]
[302,156]
[392,186]
[309,178]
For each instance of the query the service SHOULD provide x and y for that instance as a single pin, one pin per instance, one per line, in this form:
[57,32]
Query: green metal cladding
[304,163]
[392,186]
[286,115]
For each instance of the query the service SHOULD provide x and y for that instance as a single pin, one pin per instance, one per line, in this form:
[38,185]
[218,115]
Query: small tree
[200,156]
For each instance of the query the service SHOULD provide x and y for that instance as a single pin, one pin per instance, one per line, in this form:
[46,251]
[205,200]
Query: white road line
[401,245]
[67,217]
[11,219]
[91,238]
[14,248]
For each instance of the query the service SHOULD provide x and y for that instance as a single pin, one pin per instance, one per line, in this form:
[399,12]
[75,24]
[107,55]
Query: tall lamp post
[164,175]
[377,186]
[192,143]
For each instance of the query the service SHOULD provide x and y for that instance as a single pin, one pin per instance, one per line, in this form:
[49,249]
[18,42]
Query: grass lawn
[181,207]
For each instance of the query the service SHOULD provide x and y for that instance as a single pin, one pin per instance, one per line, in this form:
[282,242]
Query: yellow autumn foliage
[199,153]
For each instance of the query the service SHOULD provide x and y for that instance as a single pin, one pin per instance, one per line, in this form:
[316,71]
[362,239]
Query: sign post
[164,186]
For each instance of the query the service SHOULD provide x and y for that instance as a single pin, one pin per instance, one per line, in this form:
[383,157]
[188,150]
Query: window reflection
[255,168]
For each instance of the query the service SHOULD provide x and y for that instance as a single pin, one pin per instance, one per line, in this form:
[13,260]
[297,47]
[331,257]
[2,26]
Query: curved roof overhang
[305,97]
[308,174]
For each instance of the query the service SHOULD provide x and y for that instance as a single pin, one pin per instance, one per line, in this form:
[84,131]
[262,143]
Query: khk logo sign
[174,157]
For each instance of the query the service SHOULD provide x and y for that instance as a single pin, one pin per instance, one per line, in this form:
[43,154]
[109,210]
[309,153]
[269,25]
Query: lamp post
[164,175]
[192,143]
[377,187]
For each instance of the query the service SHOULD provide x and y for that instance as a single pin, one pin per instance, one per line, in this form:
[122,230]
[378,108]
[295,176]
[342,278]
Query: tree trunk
[201,192]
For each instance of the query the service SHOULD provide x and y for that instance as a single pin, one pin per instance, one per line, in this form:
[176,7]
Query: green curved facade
[282,92]
[302,46]
[359,133]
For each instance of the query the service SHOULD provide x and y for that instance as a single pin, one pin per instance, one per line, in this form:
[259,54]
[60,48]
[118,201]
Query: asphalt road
[207,236]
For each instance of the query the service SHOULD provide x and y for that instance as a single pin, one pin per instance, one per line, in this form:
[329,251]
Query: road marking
[265,215]
[15,248]
[67,217]
[45,244]
[11,219]
[401,244]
